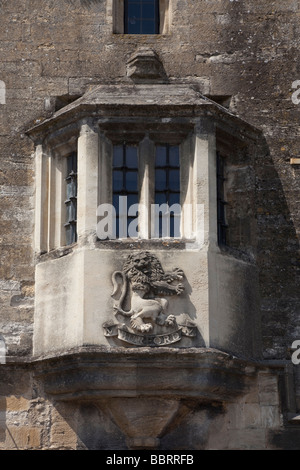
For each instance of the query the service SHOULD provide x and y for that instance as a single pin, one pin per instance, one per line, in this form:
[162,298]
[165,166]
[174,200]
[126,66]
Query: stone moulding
[104,101]
[197,373]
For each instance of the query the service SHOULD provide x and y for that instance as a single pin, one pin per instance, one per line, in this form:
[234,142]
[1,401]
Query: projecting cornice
[144,100]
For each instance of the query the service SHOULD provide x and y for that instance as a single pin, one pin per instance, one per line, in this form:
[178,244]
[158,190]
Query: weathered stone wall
[246,50]
[29,419]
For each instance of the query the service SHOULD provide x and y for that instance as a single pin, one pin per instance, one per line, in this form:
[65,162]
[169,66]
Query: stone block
[268,389]
[251,415]
[252,395]
[62,436]
[247,439]
[23,438]
[234,417]
[270,417]
[14,403]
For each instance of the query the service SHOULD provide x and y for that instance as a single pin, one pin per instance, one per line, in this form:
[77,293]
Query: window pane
[118,156]
[172,227]
[160,180]
[71,211]
[71,234]
[117,180]
[134,10]
[134,26]
[174,180]
[167,185]
[174,198]
[161,156]
[71,202]
[72,164]
[174,156]
[148,27]
[125,182]
[148,10]
[131,157]
[131,181]
[71,188]
[116,203]
[132,199]
[160,198]
[221,202]
[141,16]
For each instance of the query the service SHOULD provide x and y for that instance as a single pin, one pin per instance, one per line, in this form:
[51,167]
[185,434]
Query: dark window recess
[71,201]
[221,202]
[167,181]
[141,16]
[125,180]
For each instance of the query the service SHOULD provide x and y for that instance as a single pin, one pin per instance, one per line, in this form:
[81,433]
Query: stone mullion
[146,185]
[88,175]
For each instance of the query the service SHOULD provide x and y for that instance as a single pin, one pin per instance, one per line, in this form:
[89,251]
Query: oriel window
[71,201]
[141,16]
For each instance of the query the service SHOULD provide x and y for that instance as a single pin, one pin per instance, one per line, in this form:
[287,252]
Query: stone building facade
[197,348]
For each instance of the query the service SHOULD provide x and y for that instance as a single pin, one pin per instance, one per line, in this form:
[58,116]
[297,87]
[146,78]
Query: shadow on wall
[199,423]
[277,260]
[94,428]
[6,436]
[2,419]
[91,428]
[276,206]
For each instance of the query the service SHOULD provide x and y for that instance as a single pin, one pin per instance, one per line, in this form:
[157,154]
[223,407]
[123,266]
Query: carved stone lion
[144,277]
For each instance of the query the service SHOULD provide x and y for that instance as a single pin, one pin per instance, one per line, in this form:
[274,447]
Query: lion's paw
[146,328]
[178,273]
[179,289]
[171,320]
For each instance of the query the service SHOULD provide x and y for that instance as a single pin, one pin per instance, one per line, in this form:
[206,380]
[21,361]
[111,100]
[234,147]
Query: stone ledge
[97,373]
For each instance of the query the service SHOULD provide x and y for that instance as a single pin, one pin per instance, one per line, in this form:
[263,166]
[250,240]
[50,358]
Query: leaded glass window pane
[71,201]
[141,16]
[167,182]
[125,181]
[221,202]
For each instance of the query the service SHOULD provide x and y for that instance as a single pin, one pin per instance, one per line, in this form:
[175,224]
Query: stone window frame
[147,148]
[115,12]
[50,191]
[94,147]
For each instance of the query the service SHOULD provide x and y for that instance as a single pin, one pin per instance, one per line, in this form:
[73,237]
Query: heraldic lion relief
[142,286]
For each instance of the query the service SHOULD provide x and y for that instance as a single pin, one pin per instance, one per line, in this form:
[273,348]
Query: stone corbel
[145,66]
